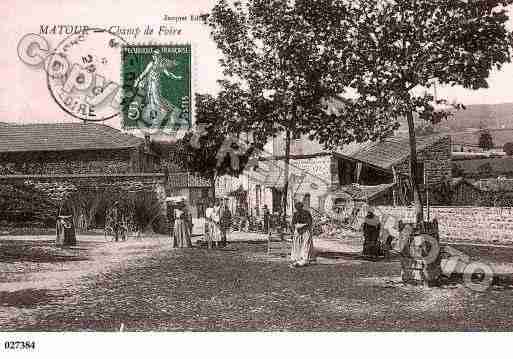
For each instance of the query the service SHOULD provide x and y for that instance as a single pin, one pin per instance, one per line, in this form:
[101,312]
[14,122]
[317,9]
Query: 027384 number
[20,345]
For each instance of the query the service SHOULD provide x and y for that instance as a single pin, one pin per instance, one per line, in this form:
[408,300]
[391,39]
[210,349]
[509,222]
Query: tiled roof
[364,193]
[63,137]
[383,154]
[388,152]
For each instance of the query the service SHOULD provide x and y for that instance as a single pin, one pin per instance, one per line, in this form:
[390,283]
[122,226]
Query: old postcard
[254,166]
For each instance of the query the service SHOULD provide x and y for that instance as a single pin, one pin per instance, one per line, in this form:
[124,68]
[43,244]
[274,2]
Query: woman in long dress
[226,222]
[371,228]
[215,224]
[302,245]
[182,228]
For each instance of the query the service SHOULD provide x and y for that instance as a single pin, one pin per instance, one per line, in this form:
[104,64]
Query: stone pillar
[420,255]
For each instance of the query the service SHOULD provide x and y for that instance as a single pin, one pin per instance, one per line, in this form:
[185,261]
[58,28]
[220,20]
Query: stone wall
[129,160]
[480,224]
[436,159]
[68,162]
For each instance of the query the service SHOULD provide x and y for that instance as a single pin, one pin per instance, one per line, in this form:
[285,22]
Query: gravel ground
[146,285]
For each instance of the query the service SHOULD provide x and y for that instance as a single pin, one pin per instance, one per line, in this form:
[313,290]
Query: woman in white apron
[302,245]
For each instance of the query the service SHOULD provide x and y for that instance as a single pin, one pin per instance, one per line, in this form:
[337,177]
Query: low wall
[479,224]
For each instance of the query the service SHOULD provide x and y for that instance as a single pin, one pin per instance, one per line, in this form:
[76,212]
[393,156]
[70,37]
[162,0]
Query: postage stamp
[157,87]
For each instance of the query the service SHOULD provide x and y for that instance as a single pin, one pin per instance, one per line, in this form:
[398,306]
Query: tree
[485,140]
[285,57]
[211,151]
[398,47]
[279,66]
[508,148]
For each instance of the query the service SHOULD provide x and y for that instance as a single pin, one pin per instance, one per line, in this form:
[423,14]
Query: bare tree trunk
[213,184]
[286,174]
[419,208]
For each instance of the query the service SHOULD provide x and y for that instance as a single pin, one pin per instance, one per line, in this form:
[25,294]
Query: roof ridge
[106,130]
[63,137]
[420,147]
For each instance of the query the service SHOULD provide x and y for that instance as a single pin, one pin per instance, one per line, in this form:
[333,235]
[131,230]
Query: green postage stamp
[157,87]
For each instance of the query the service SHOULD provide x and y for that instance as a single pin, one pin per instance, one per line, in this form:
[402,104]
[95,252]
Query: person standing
[226,222]
[182,228]
[267,218]
[302,245]
[60,230]
[371,228]
[208,223]
[216,223]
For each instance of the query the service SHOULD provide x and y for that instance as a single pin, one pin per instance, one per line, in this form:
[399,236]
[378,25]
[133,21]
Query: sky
[25,98]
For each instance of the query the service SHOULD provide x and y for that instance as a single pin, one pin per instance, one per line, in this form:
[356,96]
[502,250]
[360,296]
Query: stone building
[53,162]
[315,172]
[72,148]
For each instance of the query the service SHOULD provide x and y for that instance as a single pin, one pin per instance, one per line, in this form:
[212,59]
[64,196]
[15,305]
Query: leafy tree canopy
[281,64]
[284,57]
[397,47]
[211,151]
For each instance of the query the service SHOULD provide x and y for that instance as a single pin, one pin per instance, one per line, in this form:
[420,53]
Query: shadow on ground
[29,298]
[41,252]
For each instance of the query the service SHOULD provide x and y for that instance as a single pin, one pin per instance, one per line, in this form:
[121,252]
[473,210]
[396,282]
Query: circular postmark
[83,74]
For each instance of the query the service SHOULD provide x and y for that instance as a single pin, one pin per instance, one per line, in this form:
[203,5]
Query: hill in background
[481,116]
[465,124]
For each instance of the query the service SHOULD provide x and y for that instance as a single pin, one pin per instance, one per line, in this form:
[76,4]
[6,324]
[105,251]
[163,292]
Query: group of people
[217,223]
[218,220]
